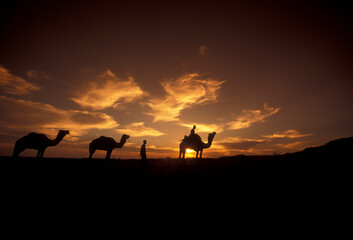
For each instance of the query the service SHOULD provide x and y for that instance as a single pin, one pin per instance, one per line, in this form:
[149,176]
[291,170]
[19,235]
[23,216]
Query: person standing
[143,155]
[192,132]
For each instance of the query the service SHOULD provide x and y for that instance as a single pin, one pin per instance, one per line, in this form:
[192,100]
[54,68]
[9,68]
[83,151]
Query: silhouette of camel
[37,141]
[194,142]
[107,144]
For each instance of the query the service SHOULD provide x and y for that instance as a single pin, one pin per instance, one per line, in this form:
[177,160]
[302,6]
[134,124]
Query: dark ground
[255,176]
[283,195]
[316,180]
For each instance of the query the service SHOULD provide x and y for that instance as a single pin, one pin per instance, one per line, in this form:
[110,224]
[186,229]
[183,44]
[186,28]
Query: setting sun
[190,153]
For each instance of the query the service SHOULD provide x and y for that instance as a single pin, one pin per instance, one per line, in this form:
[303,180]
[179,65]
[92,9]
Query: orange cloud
[138,129]
[288,134]
[28,115]
[294,145]
[238,144]
[181,93]
[232,146]
[108,90]
[153,148]
[15,85]
[249,117]
[153,151]
[200,127]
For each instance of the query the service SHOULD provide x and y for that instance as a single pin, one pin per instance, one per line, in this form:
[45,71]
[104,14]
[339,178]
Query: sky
[269,77]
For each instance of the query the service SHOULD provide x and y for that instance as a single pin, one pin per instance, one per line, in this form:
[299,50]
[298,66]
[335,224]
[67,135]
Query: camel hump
[196,137]
[36,135]
[105,138]
[192,138]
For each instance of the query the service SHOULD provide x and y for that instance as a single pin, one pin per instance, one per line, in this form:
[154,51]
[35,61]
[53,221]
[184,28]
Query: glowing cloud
[15,85]
[234,146]
[204,127]
[153,148]
[34,115]
[234,143]
[153,151]
[138,129]
[294,145]
[249,117]
[288,134]
[108,90]
[182,93]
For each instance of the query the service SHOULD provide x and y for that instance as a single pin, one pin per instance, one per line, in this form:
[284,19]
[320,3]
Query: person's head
[144,141]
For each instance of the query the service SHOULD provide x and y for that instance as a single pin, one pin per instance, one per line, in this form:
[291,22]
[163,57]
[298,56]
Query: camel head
[125,136]
[63,133]
[211,136]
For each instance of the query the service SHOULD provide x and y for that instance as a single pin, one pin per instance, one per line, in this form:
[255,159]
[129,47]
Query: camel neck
[121,143]
[55,141]
[208,144]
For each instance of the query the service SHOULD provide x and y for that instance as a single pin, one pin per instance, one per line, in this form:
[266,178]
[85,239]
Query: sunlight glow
[189,153]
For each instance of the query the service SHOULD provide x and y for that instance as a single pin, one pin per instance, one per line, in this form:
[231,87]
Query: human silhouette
[143,155]
[107,144]
[192,132]
[37,141]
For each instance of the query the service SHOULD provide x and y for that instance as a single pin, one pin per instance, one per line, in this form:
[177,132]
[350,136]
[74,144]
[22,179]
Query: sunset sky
[267,76]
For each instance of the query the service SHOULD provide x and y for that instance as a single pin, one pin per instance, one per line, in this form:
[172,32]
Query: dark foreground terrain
[308,176]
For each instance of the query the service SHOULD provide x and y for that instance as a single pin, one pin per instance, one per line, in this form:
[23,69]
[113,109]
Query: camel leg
[42,153]
[181,152]
[201,153]
[184,155]
[38,153]
[197,154]
[16,152]
[109,152]
[91,154]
